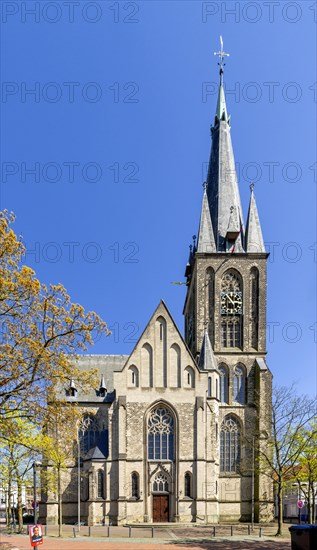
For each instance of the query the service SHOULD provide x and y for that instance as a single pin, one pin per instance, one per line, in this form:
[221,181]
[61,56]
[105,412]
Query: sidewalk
[21,542]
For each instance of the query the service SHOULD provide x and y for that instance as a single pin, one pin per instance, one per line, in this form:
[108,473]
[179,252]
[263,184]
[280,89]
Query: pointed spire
[206,239]
[254,237]
[221,111]
[103,383]
[223,191]
[206,358]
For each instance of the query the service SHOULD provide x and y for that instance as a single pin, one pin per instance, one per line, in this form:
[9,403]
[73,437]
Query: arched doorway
[160,496]
[161,464]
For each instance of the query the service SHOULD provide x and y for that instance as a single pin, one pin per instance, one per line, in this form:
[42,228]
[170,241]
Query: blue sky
[117,135]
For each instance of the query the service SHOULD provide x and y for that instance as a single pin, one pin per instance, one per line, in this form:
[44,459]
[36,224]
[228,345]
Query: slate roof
[207,359]
[206,240]
[223,192]
[253,237]
[106,365]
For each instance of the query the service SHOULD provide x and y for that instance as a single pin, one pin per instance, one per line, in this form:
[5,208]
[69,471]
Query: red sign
[36,534]
[300,504]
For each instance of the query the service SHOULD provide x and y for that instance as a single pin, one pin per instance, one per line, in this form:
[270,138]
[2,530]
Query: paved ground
[165,539]
[22,543]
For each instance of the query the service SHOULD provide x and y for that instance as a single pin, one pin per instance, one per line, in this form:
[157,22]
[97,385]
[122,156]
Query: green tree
[17,452]
[291,414]
[305,470]
[58,443]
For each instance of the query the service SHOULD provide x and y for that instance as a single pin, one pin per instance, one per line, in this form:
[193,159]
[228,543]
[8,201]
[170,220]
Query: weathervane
[222,55]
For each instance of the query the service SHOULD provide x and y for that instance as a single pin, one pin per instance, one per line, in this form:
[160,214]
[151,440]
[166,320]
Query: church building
[173,432]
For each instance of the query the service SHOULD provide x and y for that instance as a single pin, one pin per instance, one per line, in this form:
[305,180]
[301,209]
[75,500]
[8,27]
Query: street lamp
[83,425]
[36,464]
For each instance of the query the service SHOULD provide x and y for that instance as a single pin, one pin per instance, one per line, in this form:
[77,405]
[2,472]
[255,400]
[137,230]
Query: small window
[133,376]
[135,492]
[209,386]
[188,485]
[189,377]
[101,493]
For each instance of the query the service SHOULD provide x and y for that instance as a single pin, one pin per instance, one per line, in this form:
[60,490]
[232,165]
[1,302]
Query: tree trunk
[8,503]
[313,504]
[60,506]
[19,505]
[279,508]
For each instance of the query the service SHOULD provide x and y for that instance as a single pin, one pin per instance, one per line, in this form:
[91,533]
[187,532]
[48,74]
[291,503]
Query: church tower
[226,298]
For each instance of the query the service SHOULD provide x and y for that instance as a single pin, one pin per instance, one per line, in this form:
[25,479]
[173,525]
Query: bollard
[129,532]
[232,530]
[74,531]
[152,532]
[249,530]
[108,531]
[89,531]
[260,532]
[45,530]
[214,530]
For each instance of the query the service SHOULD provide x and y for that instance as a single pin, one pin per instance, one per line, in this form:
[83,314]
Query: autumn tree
[41,332]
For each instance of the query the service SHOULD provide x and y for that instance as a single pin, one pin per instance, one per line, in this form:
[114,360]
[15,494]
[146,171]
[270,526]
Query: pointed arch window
[223,384]
[161,431]
[135,485]
[230,445]
[133,373]
[239,385]
[231,309]
[100,484]
[188,485]
[160,483]
[210,305]
[93,434]
[254,307]
[189,379]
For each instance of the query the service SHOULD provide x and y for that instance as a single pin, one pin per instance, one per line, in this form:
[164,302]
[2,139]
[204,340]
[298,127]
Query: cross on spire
[222,55]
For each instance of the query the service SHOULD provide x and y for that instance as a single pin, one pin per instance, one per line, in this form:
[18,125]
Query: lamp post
[83,425]
[35,465]
[252,504]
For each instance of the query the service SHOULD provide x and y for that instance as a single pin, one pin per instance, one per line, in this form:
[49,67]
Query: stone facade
[174,431]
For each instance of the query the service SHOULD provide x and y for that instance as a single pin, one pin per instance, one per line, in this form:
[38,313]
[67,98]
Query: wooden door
[160,508]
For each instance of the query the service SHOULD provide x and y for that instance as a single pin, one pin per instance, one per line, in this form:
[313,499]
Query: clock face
[231,303]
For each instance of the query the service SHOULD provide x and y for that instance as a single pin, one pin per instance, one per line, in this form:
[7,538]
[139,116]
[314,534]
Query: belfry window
[231,309]
[230,445]
[161,434]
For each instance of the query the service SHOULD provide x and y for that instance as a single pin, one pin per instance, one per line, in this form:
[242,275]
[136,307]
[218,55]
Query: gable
[161,357]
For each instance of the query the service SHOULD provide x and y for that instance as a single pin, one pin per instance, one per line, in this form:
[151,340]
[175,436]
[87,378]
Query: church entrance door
[160,508]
